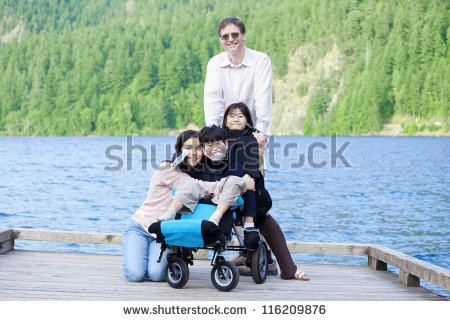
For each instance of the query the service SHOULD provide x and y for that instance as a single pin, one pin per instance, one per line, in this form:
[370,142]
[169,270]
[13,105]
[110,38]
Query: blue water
[392,191]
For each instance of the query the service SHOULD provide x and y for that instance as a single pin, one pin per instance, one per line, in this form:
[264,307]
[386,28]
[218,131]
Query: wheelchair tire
[180,275]
[224,276]
[259,266]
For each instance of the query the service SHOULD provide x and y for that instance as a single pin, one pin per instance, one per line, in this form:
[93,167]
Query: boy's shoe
[251,238]
[244,270]
[238,259]
[272,268]
[247,271]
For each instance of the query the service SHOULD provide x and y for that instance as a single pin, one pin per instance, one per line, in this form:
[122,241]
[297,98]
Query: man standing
[239,74]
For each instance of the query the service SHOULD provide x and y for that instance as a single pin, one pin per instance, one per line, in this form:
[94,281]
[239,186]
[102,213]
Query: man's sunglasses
[233,35]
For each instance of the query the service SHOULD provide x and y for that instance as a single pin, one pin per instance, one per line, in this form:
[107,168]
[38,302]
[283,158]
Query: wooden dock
[33,275]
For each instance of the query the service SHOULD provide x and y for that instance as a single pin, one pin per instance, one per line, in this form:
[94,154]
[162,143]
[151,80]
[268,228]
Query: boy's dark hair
[211,134]
[233,20]
[183,137]
[243,108]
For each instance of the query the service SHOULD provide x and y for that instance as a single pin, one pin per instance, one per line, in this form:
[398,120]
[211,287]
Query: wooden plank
[324,248]
[60,276]
[328,248]
[378,256]
[116,239]
[67,236]
[376,264]
[407,279]
[408,264]
[6,241]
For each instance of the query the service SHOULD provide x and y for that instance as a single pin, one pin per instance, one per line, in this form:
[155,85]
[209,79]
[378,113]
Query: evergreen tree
[90,67]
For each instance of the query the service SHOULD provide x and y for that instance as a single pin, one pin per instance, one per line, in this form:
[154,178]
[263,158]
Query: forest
[118,67]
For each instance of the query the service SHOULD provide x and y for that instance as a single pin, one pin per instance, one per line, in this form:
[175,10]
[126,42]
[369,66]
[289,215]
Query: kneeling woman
[140,250]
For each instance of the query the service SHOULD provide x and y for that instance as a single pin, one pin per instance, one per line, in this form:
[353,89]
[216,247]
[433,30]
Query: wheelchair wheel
[224,275]
[180,275]
[259,263]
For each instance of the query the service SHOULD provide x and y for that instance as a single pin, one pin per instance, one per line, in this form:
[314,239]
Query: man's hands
[262,140]
[250,182]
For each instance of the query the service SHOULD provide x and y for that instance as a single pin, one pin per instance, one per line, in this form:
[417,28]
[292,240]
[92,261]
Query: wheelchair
[190,232]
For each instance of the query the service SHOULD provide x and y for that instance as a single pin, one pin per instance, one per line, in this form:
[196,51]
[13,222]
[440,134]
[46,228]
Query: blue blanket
[192,230]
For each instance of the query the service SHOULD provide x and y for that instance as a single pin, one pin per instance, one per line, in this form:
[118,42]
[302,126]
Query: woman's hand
[250,182]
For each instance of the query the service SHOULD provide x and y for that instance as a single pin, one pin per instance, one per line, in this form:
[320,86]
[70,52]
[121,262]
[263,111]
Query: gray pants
[226,193]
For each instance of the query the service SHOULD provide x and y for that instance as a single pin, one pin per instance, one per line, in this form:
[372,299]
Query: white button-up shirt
[250,83]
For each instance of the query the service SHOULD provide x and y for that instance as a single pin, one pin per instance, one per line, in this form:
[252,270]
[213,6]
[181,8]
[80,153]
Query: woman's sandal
[301,275]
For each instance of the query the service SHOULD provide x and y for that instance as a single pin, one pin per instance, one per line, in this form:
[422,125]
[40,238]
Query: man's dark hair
[233,20]
[211,134]
[243,108]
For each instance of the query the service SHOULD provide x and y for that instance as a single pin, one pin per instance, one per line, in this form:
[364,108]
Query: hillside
[293,91]
[137,67]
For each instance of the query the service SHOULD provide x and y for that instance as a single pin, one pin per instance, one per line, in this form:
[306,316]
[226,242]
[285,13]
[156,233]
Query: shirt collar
[226,61]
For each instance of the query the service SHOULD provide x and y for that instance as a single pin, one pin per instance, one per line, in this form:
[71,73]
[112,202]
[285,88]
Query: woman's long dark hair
[243,108]
[183,137]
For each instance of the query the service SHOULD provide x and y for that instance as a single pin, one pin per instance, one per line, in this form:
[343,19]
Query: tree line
[137,67]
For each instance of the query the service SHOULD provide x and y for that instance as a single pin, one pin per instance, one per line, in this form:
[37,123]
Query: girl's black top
[243,148]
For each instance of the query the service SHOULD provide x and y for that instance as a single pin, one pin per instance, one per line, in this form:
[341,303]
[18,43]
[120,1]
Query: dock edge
[378,257]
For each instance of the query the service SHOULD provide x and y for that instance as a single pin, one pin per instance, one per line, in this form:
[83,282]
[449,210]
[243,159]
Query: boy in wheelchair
[192,231]
[205,225]
[216,167]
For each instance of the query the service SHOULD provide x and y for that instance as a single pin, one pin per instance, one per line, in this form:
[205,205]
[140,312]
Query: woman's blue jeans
[140,255]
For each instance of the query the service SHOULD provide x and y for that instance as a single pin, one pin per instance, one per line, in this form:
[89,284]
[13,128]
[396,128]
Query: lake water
[392,191]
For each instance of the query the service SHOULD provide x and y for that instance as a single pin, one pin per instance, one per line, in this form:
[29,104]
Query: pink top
[164,180]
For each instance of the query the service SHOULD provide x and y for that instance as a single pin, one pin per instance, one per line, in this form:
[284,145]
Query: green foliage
[110,68]
[432,127]
[393,53]
[302,90]
[410,129]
